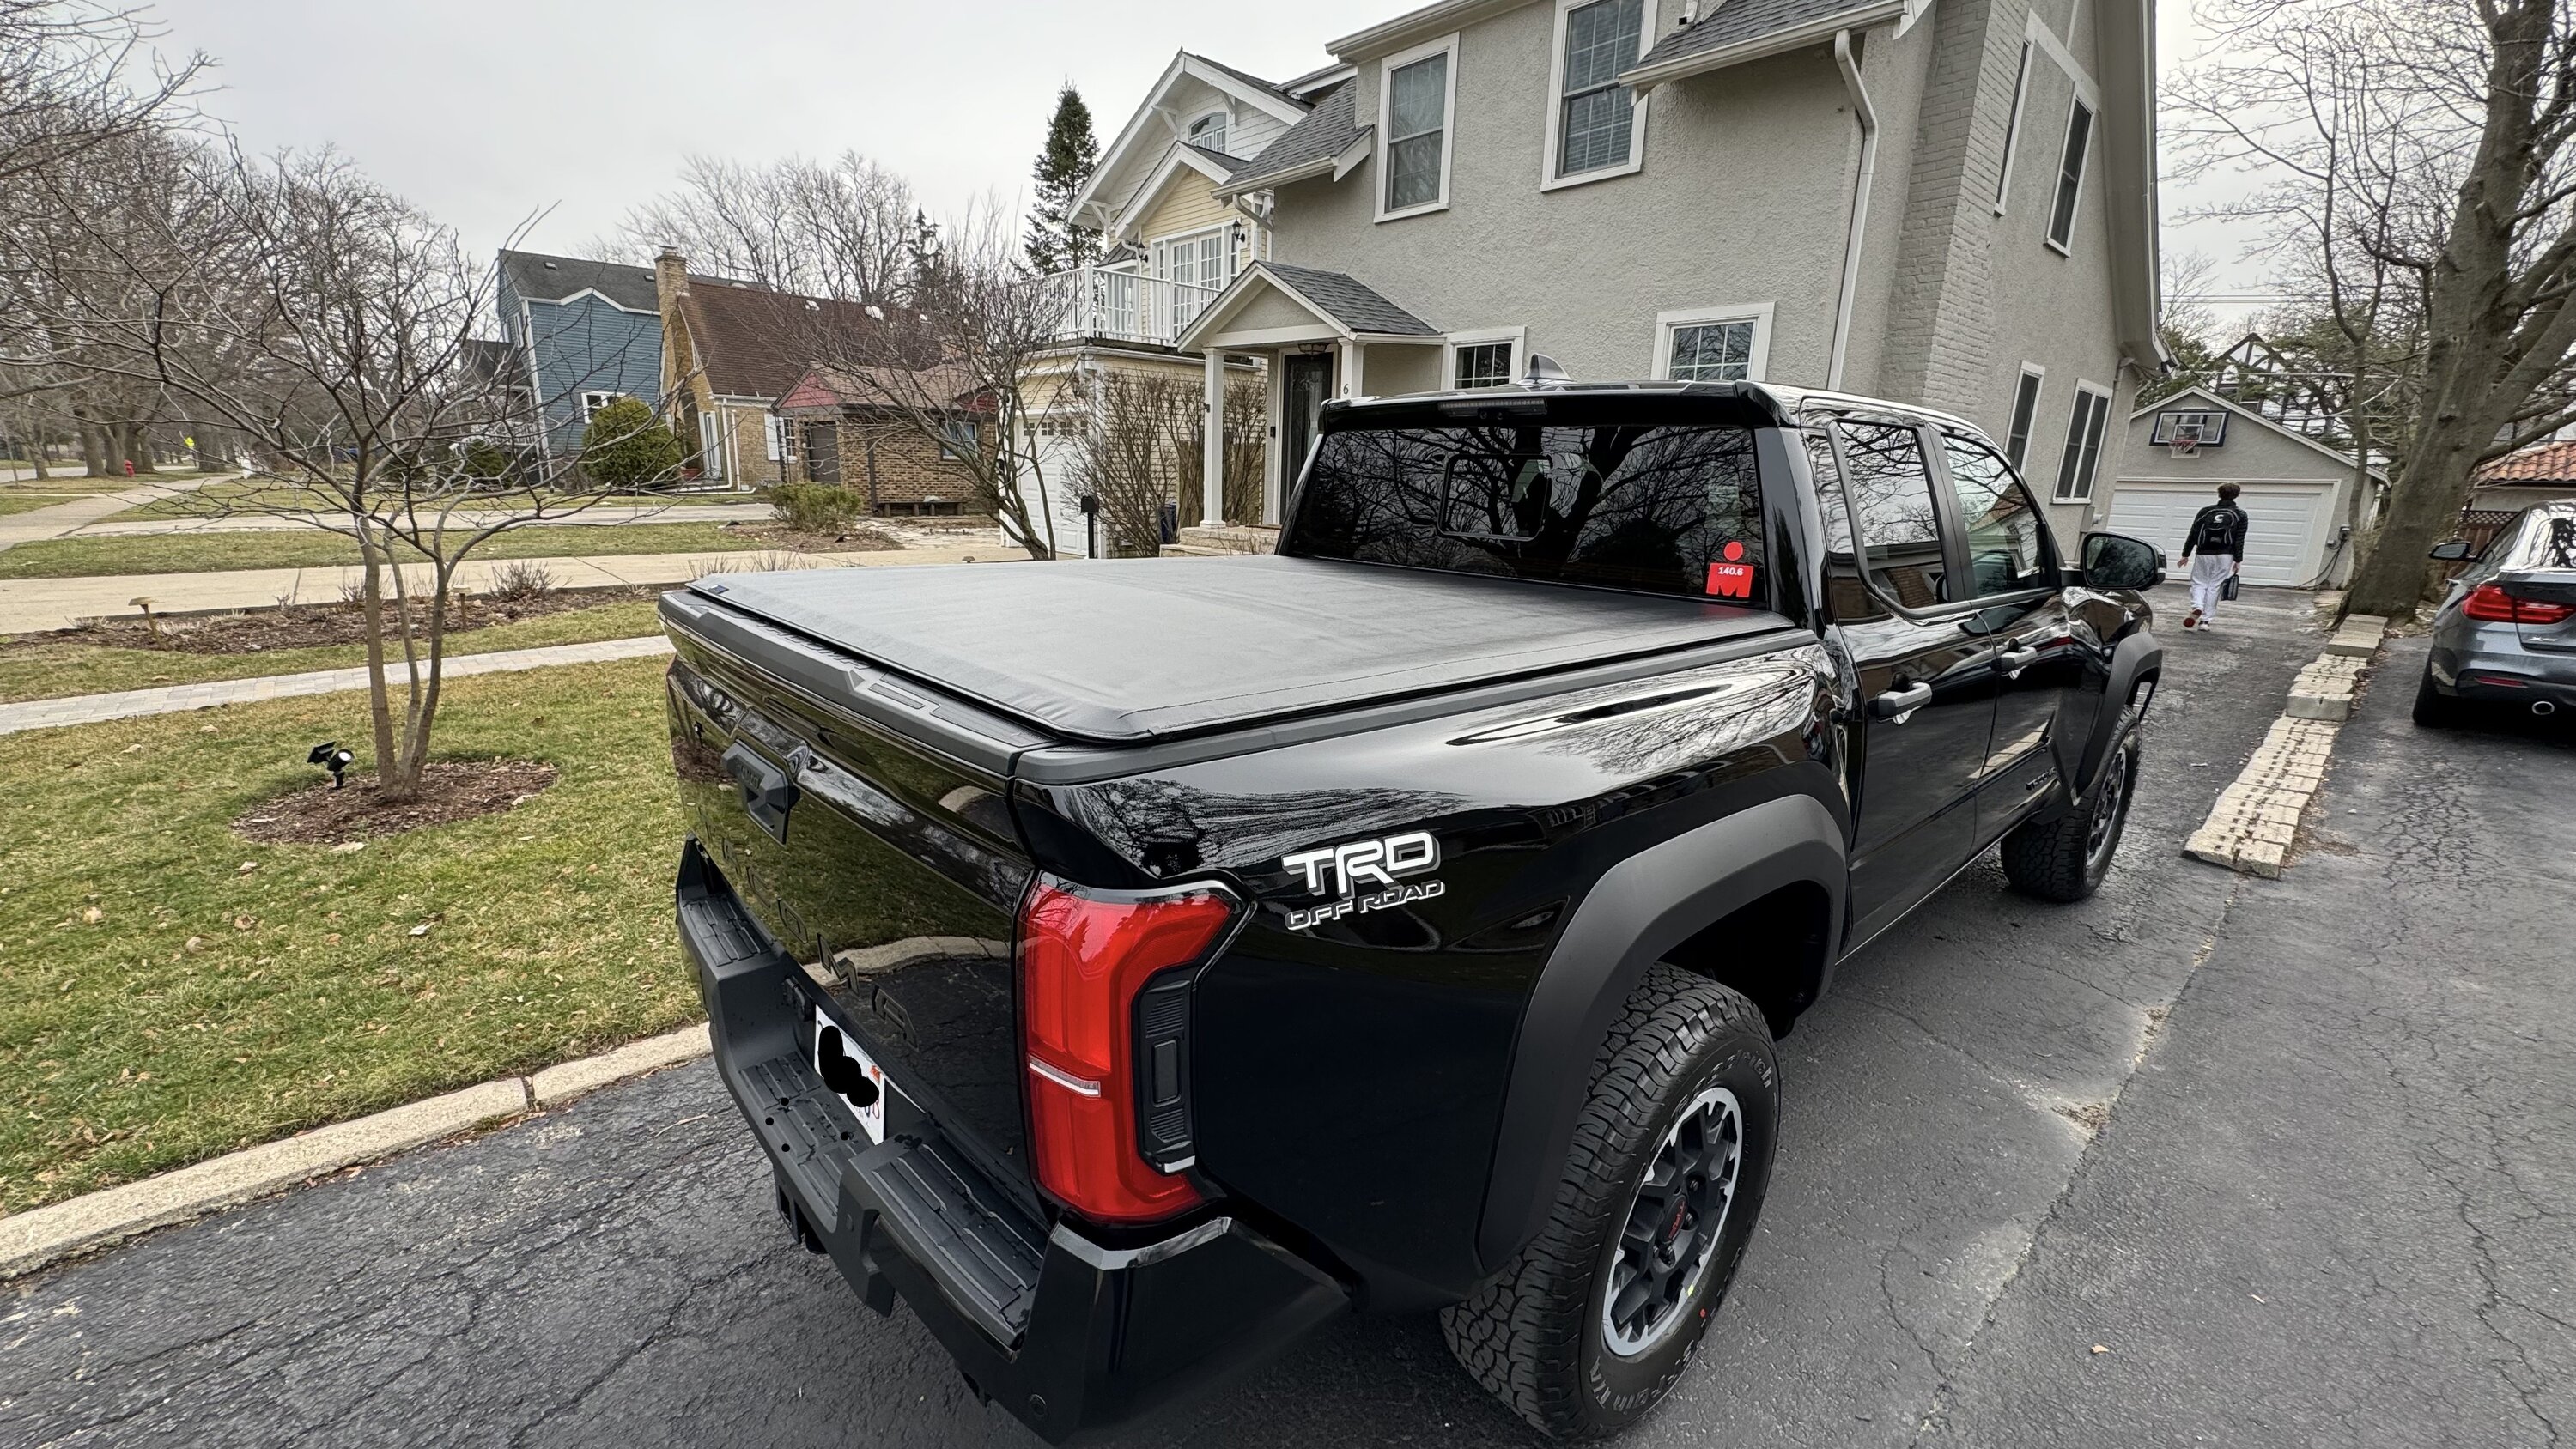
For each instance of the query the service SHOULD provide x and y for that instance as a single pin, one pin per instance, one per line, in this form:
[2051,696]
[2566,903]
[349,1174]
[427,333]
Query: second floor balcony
[1097,303]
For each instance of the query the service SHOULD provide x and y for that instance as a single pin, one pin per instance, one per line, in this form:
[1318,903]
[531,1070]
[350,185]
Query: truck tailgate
[879,853]
[1130,651]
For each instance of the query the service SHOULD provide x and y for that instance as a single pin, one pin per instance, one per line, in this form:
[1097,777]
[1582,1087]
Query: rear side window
[1892,503]
[1664,509]
[2007,545]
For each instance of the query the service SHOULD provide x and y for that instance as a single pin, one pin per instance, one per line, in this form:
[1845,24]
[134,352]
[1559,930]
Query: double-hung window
[592,402]
[2076,465]
[2024,414]
[1594,128]
[2070,175]
[1717,344]
[2012,126]
[1209,131]
[1417,89]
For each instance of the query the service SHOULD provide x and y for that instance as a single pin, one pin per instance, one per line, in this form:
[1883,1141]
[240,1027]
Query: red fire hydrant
[129,467]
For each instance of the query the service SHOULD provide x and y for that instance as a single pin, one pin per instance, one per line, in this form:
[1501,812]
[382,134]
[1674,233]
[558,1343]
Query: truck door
[1926,680]
[2012,572]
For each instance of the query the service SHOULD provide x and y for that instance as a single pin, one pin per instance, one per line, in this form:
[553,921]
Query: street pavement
[2295,1153]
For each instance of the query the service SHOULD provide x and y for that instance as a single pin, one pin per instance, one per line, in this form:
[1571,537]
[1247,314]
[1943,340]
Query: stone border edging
[42,1236]
[2255,820]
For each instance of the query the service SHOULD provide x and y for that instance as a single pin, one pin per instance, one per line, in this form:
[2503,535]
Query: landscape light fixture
[331,757]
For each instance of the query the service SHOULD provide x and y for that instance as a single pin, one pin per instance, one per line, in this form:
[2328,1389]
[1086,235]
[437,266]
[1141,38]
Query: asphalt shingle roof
[537,277]
[1736,21]
[1352,302]
[1323,133]
[1246,77]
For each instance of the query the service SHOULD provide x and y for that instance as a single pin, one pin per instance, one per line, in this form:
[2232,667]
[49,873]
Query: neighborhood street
[2204,1159]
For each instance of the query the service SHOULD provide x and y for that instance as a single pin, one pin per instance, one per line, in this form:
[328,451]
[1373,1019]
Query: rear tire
[2435,710]
[2066,858]
[1670,1162]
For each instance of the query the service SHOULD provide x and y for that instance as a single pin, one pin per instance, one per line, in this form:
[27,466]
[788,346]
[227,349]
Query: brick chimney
[670,284]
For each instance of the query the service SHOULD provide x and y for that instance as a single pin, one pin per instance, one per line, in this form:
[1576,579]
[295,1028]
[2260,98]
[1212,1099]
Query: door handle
[1896,704]
[2016,658]
[768,792]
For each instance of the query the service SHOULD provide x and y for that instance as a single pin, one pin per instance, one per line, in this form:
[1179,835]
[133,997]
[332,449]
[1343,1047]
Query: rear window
[1662,508]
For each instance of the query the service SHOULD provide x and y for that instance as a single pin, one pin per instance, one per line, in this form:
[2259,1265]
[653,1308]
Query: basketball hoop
[2184,440]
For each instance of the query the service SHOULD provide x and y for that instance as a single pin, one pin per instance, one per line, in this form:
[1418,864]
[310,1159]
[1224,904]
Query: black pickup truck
[1134,964]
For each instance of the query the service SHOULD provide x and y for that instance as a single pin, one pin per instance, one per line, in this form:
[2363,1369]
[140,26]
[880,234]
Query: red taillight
[1083,959]
[2491,603]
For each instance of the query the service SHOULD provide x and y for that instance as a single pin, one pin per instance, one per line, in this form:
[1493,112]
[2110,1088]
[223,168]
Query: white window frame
[1189,128]
[2064,246]
[1518,337]
[1158,253]
[2080,486]
[2013,120]
[1757,357]
[592,402]
[2030,372]
[1386,70]
[1549,178]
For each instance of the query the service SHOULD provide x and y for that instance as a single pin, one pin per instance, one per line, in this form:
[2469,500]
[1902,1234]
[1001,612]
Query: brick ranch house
[841,430]
[730,352]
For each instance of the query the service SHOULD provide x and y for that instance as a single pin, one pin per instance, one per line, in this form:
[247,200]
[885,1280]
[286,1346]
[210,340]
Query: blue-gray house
[586,333]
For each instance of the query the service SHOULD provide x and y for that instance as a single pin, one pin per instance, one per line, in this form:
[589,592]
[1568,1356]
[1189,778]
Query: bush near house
[625,447]
[816,507]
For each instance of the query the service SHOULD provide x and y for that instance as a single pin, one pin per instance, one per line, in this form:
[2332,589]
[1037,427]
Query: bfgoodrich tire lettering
[1537,1337]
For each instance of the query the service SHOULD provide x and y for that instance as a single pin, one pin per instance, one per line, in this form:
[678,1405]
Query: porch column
[1212,444]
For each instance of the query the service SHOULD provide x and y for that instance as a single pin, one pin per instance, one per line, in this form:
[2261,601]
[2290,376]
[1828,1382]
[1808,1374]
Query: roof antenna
[1543,372]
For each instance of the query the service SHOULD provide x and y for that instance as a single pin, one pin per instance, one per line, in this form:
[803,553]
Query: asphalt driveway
[2296,1153]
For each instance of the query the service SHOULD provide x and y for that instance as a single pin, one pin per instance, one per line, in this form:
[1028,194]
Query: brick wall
[901,471]
[1940,332]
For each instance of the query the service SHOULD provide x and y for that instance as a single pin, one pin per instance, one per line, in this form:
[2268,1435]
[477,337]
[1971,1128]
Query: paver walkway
[37,524]
[45,714]
[34,605]
[605,515]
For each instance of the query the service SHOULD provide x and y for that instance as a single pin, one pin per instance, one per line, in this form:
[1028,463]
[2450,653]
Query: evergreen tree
[1055,240]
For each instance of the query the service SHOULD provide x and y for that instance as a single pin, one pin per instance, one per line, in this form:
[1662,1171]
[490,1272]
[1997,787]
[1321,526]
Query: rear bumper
[1071,1336]
[2488,664]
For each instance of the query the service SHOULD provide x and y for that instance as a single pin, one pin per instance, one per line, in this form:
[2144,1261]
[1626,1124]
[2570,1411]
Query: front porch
[1323,335]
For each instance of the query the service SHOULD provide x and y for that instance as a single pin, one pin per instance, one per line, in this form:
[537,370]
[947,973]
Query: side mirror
[2453,551]
[2112,561]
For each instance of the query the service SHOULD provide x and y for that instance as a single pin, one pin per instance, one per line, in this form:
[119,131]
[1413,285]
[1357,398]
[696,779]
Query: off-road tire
[2065,859]
[1535,1337]
[2435,710]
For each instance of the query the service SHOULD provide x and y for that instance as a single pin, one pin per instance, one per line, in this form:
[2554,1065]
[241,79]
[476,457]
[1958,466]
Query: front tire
[2066,858]
[1593,1323]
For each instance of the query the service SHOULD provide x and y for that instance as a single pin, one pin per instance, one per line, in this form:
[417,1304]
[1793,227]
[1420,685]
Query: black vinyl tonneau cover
[1131,651]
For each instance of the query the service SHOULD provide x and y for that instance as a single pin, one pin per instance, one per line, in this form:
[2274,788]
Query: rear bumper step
[1069,1335]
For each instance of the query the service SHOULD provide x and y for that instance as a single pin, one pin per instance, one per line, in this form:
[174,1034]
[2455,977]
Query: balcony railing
[1093,302]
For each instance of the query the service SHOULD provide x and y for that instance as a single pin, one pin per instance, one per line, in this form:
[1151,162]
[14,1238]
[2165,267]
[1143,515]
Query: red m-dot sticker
[1732,579]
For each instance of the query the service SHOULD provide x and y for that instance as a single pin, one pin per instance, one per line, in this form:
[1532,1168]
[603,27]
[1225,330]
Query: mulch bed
[306,625]
[450,791]
[858,538]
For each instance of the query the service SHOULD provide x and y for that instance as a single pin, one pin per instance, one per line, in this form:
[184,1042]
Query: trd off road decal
[1370,866]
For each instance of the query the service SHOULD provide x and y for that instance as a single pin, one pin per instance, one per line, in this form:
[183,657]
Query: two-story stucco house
[1945,202]
[583,334]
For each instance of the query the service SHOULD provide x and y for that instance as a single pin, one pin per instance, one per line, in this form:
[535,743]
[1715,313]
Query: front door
[1924,666]
[822,453]
[2012,571]
[1305,384]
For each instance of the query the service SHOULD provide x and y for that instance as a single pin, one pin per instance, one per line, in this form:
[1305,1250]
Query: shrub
[485,462]
[520,581]
[625,447]
[816,507]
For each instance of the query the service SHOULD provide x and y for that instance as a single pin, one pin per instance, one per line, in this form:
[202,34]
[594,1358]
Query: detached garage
[2294,495]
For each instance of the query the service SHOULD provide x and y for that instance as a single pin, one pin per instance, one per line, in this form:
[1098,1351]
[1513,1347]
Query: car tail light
[1108,1041]
[2491,603]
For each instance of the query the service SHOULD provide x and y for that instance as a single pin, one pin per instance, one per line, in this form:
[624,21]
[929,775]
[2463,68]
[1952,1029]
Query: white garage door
[2285,523]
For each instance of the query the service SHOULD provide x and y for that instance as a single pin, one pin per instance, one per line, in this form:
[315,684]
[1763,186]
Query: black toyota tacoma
[1133,964]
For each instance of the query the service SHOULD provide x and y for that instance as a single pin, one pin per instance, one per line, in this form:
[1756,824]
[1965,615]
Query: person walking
[2215,550]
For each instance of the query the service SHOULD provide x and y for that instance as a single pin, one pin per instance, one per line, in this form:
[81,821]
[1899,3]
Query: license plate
[851,1072]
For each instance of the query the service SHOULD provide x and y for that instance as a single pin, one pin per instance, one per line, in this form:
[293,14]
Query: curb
[2255,819]
[42,1236]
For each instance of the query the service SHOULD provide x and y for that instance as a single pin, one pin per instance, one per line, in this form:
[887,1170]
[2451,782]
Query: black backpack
[2219,529]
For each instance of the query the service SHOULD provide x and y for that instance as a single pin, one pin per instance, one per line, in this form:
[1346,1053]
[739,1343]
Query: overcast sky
[488,112]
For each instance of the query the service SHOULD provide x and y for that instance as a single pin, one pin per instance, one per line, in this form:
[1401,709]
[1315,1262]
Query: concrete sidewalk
[605,515]
[30,606]
[78,709]
[38,524]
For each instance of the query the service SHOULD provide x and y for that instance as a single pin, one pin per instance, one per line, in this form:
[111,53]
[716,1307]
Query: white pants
[2209,573]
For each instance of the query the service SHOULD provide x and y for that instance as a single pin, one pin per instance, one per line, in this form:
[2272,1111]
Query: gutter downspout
[1861,185]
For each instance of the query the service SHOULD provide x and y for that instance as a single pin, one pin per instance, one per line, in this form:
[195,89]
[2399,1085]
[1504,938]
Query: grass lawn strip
[52,670]
[188,553]
[169,991]
[241,493]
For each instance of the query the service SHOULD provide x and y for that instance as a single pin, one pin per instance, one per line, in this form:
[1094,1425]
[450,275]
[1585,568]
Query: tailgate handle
[768,792]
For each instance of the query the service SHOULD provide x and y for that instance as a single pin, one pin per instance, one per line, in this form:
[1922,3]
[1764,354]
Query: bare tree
[65,72]
[2422,177]
[329,325]
[841,228]
[1143,428]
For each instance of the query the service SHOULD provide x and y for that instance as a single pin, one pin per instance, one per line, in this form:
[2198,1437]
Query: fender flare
[1641,908]
[2136,655]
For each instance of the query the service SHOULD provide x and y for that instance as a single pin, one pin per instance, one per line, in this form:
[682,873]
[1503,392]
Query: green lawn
[16,502]
[241,493]
[169,991]
[176,553]
[53,669]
